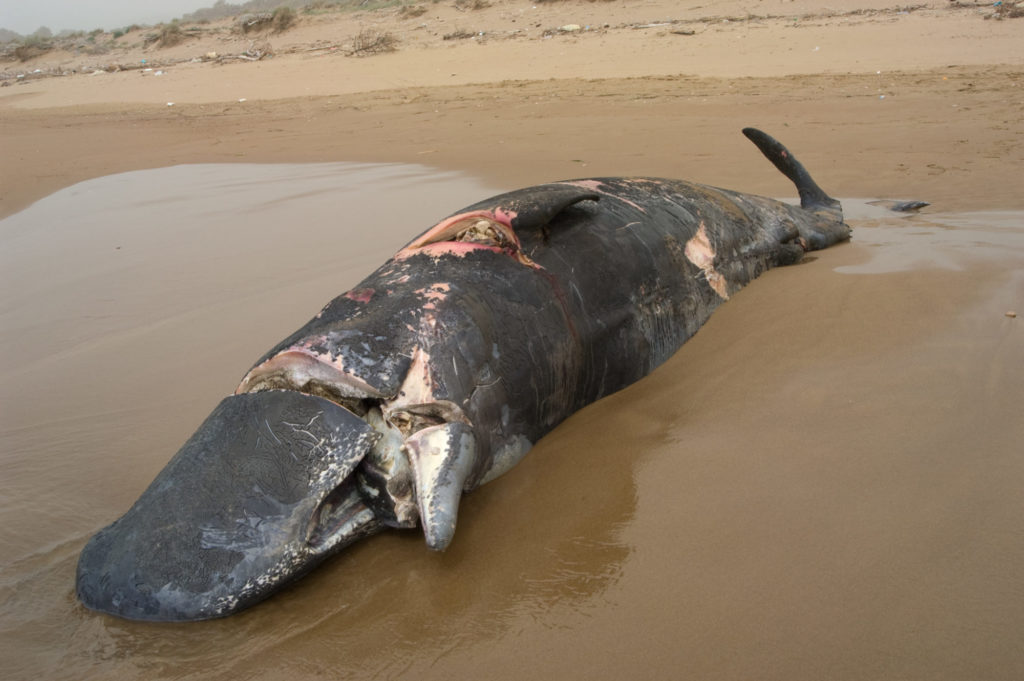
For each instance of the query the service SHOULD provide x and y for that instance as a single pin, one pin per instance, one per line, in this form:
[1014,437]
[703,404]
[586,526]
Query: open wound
[461,234]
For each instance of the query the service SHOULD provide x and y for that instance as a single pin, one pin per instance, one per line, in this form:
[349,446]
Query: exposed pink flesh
[361,295]
[446,229]
[438,240]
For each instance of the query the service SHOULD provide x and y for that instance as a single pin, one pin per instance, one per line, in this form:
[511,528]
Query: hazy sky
[25,16]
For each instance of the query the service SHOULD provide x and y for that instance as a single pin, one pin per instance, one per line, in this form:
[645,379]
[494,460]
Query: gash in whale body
[435,375]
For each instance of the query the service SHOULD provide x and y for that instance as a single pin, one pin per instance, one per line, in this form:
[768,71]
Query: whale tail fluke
[812,197]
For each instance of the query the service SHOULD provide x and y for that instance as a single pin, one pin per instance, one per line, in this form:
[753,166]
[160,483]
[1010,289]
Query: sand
[824,483]
[887,101]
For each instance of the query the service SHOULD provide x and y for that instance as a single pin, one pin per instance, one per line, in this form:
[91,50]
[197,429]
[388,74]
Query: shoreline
[945,127]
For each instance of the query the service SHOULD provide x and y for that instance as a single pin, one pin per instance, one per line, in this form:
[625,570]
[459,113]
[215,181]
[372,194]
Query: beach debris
[256,52]
[566,28]
[1006,10]
[467,5]
[458,35]
[908,206]
[911,206]
[1011,313]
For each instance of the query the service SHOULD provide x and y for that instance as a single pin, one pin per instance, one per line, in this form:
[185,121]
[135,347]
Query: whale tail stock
[812,197]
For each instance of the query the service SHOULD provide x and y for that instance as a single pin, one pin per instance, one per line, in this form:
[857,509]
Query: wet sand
[826,482]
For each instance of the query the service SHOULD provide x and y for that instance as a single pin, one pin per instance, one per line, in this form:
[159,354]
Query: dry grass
[32,47]
[249,23]
[370,41]
[169,35]
[412,11]
[283,19]
[278,21]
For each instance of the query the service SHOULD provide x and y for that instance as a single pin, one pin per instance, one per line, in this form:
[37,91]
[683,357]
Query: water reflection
[131,304]
[904,242]
[828,473]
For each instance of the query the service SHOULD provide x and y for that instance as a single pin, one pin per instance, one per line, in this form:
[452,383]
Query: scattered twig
[457,35]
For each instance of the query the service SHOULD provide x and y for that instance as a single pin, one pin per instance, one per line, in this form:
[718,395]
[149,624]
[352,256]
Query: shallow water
[826,482]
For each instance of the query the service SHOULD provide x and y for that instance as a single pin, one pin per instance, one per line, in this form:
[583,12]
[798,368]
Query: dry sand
[525,107]
[826,482]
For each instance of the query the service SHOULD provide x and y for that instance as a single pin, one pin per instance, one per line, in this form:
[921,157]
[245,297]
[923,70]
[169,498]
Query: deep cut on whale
[436,374]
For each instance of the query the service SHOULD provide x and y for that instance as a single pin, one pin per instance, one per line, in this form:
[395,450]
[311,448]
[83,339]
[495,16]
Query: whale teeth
[442,458]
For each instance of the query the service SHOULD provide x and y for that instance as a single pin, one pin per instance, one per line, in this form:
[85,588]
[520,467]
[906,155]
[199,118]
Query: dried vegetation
[370,41]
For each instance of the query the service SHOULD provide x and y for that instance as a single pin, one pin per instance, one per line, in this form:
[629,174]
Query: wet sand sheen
[824,482]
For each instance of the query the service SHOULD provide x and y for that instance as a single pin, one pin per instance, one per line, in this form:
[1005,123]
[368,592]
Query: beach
[825,482]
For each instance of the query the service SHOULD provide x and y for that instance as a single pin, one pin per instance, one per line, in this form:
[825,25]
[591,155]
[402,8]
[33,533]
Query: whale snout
[232,515]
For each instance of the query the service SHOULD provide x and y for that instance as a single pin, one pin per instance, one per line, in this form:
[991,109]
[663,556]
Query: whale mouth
[304,371]
[338,519]
[302,461]
[384,481]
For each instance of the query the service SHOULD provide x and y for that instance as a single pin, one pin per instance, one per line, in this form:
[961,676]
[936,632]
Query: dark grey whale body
[435,375]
